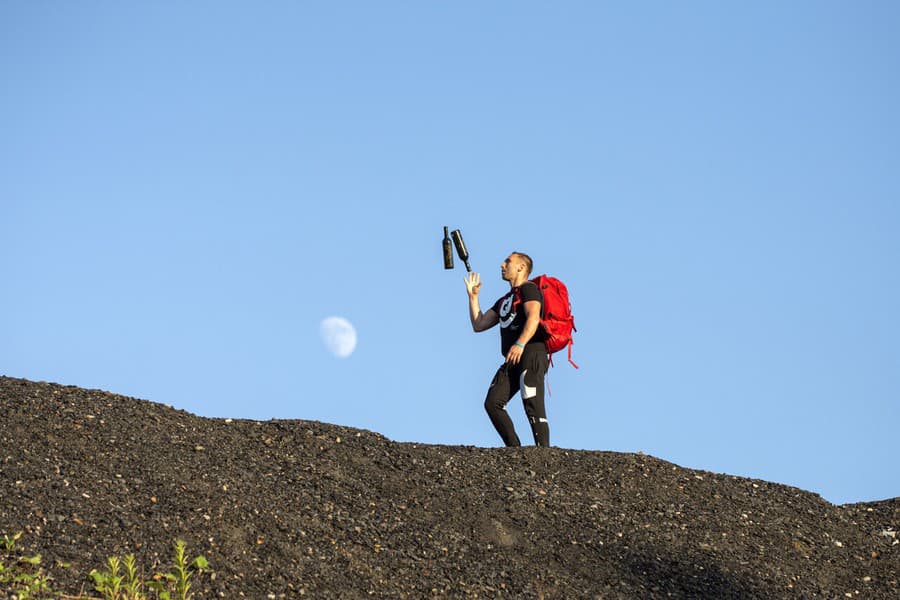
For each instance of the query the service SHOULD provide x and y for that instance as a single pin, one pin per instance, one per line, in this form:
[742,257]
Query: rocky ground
[283,509]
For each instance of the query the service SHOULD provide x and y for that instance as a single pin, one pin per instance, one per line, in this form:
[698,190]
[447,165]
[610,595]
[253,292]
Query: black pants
[526,377]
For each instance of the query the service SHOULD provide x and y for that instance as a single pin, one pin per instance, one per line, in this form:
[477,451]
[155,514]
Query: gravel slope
[286,508]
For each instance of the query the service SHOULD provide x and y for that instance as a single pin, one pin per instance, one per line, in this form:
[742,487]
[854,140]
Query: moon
[339,336]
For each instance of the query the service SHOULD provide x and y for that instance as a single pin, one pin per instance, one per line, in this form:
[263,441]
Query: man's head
[516,268]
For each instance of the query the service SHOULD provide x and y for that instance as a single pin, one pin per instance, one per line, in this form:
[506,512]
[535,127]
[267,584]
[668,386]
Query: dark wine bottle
[448,251]
[461,248]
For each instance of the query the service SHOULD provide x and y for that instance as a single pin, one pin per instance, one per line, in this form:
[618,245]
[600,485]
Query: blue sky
[188,189]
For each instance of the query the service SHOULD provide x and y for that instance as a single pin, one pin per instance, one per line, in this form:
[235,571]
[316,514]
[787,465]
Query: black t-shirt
[512,315]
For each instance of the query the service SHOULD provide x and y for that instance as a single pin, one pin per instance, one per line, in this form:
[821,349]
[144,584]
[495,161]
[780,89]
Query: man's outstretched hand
[473,284]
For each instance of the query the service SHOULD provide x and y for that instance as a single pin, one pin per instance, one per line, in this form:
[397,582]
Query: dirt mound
[284,508]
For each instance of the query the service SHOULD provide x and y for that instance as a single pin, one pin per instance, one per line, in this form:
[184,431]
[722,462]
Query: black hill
[291,508]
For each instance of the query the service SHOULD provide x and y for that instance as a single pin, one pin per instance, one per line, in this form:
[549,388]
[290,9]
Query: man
[522,345]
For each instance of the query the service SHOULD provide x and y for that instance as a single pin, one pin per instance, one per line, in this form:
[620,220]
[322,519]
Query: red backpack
[556,315]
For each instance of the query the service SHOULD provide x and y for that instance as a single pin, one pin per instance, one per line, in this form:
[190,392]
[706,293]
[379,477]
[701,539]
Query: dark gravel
[286,508]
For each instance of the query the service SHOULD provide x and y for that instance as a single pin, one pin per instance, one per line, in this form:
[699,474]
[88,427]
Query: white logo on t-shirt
[506,313]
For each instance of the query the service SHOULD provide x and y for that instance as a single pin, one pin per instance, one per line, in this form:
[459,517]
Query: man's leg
[501,390]
[531,384]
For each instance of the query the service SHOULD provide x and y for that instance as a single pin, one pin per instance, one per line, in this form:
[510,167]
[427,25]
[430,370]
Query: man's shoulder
[530,291]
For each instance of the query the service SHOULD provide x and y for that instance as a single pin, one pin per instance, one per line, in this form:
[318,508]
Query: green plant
[134,587]
[26,579]
[177,584]
[108,582]
[121,579]
[9,543]
[114,585]
[22,575]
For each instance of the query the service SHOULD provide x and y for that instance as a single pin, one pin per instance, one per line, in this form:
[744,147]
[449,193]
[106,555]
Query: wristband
[520,345]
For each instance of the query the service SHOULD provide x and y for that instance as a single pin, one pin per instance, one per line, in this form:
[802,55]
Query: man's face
[510,267]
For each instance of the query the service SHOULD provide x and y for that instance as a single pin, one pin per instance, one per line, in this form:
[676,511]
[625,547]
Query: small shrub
[121,579]
[23,575]
[175,585]
[9,543]
[108,582]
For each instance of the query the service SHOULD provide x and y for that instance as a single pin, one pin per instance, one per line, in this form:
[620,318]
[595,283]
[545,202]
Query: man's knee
[494,403]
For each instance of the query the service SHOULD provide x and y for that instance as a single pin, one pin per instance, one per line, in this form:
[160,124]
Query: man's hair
[529,264]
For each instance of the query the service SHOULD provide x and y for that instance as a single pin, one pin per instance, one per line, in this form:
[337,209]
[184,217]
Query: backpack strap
[571,362]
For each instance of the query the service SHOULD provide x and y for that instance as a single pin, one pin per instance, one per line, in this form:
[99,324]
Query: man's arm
[483,321]
[480,321]
[532,320]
